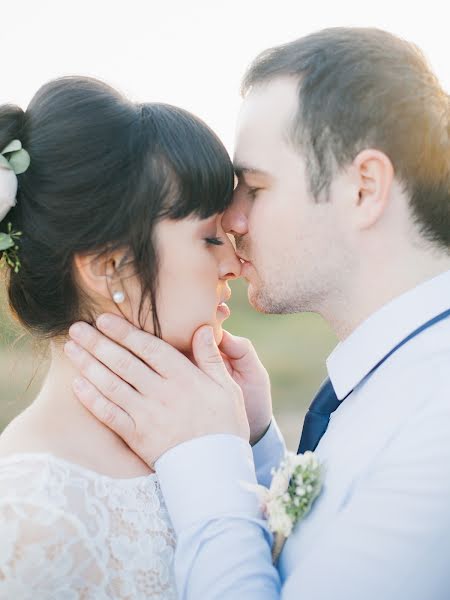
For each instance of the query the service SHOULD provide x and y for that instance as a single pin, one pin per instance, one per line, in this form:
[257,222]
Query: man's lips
[242,258]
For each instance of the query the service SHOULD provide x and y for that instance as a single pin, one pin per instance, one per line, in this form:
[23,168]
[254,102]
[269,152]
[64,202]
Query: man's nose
[234,219]
[230,265]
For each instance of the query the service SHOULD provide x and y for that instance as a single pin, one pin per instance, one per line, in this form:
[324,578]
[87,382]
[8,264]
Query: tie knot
[325,401]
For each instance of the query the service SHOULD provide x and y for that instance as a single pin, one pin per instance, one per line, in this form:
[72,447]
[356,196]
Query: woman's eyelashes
[253,191]
[214,241]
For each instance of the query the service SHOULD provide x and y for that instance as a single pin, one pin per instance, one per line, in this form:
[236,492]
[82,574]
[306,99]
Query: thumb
[207,355]
[240,352]
[236,348]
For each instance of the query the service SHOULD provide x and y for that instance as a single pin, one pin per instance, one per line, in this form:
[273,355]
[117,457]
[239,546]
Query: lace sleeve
[46,553]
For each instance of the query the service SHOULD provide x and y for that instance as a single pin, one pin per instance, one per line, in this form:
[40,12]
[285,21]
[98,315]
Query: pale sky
[188,53]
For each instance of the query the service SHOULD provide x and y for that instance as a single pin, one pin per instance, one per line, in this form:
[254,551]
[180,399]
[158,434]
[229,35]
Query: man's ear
[99,274]
[375,175]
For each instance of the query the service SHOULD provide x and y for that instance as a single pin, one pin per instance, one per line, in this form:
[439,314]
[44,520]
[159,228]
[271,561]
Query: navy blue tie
[318,416]
[325,402]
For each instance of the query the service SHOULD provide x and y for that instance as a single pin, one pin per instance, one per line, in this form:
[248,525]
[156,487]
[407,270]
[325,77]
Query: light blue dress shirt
[380,530]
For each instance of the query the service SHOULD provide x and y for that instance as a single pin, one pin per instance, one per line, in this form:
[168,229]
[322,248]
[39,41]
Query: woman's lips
[224,309]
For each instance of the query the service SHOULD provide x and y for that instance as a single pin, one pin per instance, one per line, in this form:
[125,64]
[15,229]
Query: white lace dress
[68,533]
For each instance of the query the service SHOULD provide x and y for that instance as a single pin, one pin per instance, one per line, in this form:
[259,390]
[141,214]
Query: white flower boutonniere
[294,487]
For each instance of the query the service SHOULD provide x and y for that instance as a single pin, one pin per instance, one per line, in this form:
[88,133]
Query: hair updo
[103,171]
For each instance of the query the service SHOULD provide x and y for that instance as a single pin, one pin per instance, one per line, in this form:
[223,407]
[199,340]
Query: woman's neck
[63,426]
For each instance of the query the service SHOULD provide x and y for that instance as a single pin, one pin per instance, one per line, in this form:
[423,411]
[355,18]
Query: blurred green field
[292,347]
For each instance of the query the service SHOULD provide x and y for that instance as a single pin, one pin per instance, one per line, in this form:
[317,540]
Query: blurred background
[192,54]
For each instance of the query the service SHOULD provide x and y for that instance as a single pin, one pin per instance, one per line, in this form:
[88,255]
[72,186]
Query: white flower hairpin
[14,160]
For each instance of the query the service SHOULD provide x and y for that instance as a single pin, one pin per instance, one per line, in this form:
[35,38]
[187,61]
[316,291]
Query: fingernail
[76,331]
[79,384]
[105,322]
[208,335]
[72,349]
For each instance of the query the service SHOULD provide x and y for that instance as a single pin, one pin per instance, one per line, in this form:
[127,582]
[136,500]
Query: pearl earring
[118,297]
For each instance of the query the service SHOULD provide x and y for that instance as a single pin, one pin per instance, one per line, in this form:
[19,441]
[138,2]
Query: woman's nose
[230,265]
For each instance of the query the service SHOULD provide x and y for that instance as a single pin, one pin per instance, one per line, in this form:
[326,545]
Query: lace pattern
[69,533]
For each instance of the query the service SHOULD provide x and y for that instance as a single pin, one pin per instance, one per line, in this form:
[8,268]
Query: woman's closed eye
[253,192]
[214,241]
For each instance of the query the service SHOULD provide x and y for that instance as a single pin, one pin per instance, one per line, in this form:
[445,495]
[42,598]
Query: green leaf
[5,241]
[19,161]
[12,147]
[4,163]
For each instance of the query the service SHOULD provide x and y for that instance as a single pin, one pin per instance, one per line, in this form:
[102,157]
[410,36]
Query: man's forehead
[277,97]
[242,168]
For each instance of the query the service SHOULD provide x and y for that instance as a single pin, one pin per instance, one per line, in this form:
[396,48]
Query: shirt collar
[356,356]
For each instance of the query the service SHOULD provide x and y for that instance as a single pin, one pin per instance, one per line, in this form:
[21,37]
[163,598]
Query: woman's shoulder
[45,544]
[63,525]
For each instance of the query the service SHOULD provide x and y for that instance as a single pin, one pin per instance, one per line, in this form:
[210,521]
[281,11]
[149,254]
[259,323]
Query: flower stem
[277,547]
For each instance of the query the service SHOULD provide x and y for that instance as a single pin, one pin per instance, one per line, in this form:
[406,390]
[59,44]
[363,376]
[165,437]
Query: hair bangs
[200,175]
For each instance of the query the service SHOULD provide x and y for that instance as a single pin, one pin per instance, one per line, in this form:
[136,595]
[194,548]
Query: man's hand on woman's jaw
[248,372]
[152,396]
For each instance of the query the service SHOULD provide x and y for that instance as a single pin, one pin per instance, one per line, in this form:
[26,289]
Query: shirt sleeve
[268,453]
[224,547]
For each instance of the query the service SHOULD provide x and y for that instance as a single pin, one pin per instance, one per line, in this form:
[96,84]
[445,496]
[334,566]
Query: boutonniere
[295,485]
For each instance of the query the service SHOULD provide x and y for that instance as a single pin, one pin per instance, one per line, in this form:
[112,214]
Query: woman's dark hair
[360,88]
[103,171]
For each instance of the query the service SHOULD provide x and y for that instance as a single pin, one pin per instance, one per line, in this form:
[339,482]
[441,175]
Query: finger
[157,354]
[207,355]
[226,362]
[118,359]
[105,411]
[106,382]
[236,348]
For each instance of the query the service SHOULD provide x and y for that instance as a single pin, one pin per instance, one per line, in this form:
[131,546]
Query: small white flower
[280,483]
[278,520]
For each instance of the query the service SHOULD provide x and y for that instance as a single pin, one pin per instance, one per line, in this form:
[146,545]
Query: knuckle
[123,364]
[248,344]
[149,348]
[109,415]
[215,359]
[113,386]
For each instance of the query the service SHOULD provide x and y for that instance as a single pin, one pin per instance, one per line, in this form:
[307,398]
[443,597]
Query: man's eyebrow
[241,169]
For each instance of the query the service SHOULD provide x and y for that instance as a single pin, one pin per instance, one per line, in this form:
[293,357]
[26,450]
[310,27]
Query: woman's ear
[375,176]
[99,274]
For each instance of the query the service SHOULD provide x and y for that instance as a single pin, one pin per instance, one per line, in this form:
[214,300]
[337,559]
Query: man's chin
[258,300]
[264,302]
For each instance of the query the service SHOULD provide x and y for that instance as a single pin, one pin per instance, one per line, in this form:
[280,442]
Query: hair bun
[11,123]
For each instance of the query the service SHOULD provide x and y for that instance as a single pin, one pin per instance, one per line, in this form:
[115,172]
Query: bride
[119,211]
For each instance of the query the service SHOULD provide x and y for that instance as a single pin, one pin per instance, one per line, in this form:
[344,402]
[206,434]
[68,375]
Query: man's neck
[375,287]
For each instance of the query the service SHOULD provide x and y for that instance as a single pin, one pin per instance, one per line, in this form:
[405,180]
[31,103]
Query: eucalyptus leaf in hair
[12,147]
[9,247]
[19,159]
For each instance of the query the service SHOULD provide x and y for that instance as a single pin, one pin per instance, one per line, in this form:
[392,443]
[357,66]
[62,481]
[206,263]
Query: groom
[342,208]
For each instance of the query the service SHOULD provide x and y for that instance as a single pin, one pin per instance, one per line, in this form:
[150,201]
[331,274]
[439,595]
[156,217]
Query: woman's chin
[218,333]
